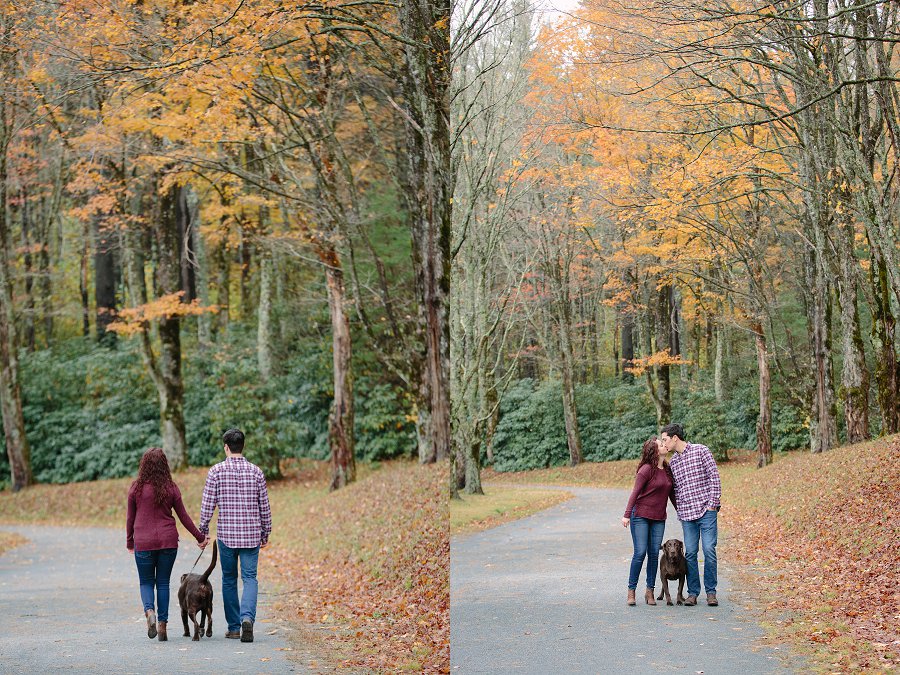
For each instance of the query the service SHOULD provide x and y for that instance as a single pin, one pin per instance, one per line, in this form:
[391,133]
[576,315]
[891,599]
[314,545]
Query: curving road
[69,601]
[546,594]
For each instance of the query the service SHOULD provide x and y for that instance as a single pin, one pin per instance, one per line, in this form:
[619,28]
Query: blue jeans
[154,569]
[647,536]
[707,527]
[236,612]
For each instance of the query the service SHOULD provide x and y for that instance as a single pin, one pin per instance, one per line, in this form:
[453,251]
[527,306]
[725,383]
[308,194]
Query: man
[697,494]
[238,489]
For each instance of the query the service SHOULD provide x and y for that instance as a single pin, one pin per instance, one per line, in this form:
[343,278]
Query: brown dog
[672,565]
[196,595]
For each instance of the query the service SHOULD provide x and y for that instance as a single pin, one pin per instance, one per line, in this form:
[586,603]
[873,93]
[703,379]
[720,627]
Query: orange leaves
[136,319]
[664,358]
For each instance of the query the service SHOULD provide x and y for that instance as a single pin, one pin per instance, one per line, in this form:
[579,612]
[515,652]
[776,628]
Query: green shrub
[616,418]
[91,411]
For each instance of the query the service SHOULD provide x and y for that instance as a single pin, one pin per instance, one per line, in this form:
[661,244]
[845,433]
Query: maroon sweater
[648,498]
[149,526]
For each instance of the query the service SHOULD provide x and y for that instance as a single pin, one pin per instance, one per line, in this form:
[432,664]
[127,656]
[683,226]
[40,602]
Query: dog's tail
[212,565]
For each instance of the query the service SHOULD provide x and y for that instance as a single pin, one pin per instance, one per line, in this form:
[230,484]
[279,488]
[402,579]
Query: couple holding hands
[685,473]
[238,489]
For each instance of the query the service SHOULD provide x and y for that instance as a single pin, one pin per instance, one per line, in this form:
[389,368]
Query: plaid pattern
[238,488]
[697,484]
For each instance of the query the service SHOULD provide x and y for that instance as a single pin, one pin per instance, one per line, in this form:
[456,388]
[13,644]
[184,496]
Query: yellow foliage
[135,320]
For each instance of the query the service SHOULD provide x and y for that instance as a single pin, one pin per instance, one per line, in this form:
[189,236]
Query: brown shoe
[711,600]
[691,601]
[161,631]
[630,602]
[648,597]
[233,634]
[151,623]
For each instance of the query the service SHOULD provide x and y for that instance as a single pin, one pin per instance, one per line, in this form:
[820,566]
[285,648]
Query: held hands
[265,544]
[203,544]
[626,522]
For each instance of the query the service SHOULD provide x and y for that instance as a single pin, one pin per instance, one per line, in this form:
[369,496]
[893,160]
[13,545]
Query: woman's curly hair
[154,470]
[650,455]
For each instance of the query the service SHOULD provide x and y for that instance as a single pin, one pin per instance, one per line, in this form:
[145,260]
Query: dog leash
[202,551]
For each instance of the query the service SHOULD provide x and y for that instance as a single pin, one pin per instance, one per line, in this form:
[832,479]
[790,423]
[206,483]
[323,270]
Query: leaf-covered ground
[823,533]
[368,566]
[825,529]
[10,540]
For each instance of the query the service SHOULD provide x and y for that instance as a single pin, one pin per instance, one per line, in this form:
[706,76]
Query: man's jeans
[707,527]
[154,570]
[236,612]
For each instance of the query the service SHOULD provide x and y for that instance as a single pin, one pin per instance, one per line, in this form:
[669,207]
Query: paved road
[547,595]
[69,601]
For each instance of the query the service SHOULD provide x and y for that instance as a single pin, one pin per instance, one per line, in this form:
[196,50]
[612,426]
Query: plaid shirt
[238,488]
[697,485]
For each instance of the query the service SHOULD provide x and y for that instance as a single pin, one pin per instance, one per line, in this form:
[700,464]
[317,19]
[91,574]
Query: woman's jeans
[707,528]
[236,612]
[154,569]
[647,536]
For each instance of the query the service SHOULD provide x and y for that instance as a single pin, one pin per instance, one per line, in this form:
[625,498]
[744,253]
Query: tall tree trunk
[823,428]
[223,281]
[264,318]
[340,420]
[883,327]
[764,420]
[187,257]
[719,369]
[428,189]
[204,321]
[570,409]
[854,372]
[664,340]
[29,313]
[104,283]
[10,393]
[245,254]
[627,347]
[83,279]
[170,385]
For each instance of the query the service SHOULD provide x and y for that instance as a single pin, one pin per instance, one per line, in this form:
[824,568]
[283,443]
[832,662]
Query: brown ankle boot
[648,597]
[161,631]
[151,623]
[630,600]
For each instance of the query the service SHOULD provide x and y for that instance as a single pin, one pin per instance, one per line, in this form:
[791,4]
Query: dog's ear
[183,577]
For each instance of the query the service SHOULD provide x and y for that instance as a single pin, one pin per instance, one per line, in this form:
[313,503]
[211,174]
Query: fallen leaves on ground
[9,540]
[372,562]
[369,563]
[825,531]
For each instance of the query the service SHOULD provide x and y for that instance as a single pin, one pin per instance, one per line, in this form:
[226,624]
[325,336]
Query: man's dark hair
[234,439]
[672,430]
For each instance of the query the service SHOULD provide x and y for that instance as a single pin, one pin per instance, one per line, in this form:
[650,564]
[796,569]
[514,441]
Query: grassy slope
[499,504]
[370,563]
[823,530]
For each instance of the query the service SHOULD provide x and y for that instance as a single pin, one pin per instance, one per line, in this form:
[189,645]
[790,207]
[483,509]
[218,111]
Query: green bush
[91,411]
[616,418]
[790,430]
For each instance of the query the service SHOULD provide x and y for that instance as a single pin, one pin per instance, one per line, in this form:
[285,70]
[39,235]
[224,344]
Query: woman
[646,513]
[152,536]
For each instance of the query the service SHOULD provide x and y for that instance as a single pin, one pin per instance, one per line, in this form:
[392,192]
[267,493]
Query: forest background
[677,212]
